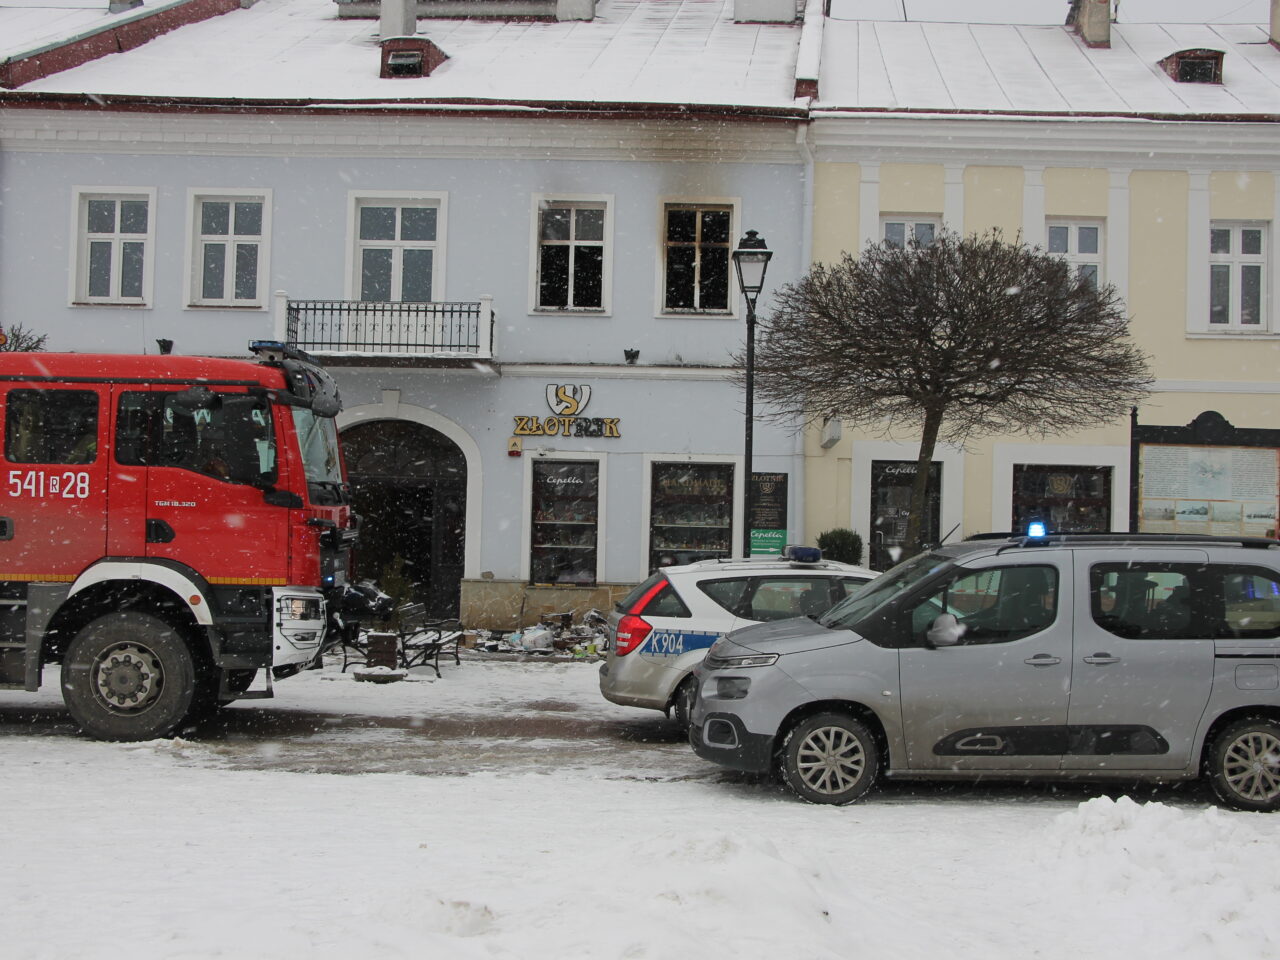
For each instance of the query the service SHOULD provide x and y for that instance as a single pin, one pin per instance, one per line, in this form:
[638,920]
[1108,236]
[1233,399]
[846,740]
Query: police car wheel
[128,676]
[682,702]
[829,758]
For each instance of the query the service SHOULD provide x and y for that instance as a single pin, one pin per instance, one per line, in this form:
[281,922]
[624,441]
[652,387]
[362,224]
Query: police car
[662,629]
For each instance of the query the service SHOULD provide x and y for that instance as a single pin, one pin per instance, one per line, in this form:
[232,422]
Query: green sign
[768,542]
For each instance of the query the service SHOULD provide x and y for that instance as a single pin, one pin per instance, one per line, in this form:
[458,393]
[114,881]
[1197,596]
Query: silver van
[1129,656]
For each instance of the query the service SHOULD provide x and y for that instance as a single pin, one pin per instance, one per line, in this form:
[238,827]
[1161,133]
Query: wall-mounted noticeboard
[1208,477]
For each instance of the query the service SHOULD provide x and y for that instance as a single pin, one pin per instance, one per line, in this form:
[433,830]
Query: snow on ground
[168,850]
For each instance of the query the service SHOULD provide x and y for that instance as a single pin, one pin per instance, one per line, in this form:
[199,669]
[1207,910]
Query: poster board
[1208,477]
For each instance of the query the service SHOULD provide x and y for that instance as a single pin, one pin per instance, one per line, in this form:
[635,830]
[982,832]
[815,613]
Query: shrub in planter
[841,544]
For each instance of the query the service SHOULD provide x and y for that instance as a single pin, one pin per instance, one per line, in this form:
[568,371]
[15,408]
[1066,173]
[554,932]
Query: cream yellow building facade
[1165,201]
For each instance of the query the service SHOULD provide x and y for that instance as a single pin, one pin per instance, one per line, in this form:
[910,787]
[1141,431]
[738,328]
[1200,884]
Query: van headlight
[748,660]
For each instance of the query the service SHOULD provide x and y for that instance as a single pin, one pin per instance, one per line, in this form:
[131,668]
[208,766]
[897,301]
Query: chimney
[765,11]
[397,18]
[1092,20]
[120,6]
[1275,23]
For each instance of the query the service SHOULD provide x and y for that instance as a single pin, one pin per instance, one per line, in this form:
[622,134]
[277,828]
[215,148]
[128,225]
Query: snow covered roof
[1015,68]
[633,52]
[31,24]
[939,56]
[1049,12]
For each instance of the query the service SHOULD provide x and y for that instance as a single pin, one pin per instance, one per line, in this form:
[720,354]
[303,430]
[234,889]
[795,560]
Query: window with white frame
[1079,242]
[1237,259]
[899,231]
[697,243]
[573,255]
[114,246]
[228,251]
[398,246]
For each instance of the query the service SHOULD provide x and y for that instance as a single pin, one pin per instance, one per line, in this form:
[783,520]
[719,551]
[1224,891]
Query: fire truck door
[204,504]
[53,513]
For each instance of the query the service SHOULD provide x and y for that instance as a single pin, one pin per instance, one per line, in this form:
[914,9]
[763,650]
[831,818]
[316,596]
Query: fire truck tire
[128,676]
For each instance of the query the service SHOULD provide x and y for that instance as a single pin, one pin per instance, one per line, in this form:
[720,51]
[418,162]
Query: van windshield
[851,611]
[318,440]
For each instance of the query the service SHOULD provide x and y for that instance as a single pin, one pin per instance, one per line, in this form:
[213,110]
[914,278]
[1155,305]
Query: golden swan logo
[568,399]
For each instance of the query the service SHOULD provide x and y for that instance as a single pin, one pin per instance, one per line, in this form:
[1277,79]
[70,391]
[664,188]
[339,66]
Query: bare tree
[961,338]
[18,338]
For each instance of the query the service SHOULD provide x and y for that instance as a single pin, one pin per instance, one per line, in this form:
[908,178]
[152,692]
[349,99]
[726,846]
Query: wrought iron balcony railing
[378,329]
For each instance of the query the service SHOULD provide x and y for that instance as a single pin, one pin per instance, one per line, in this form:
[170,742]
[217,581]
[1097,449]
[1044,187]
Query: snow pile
[1158,881]
[534,837]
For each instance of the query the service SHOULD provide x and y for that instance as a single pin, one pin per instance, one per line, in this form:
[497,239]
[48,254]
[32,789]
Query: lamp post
[751,259]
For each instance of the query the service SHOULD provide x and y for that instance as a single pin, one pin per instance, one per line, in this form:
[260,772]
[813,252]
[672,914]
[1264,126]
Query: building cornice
[395,134]
[1220,144]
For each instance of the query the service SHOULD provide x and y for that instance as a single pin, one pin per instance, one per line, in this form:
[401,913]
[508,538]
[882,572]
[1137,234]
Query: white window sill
[225,306]
[569,312]
[135,304]
[697,315]
[1233,333]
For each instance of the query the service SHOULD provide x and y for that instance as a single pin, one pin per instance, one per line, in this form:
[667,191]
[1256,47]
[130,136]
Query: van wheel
[1244,765]
[830,758]
[682,702]
[128,676]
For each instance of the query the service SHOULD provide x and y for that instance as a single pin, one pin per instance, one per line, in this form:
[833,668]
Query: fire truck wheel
[128,676]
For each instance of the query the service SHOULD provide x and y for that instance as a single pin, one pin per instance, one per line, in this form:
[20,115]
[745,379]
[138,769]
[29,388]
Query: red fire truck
[169,527]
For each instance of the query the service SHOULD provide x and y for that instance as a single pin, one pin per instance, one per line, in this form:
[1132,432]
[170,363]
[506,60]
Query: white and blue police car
[663,628]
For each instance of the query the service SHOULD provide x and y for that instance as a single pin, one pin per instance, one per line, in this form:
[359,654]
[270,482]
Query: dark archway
[409,484]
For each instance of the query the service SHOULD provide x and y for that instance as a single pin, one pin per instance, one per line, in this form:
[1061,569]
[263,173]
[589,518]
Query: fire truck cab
[169,527]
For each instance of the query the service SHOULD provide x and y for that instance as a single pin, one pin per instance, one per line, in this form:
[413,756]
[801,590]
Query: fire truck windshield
[318,439]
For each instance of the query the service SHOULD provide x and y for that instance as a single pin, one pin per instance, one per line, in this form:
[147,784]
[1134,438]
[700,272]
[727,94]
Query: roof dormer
[1194,66]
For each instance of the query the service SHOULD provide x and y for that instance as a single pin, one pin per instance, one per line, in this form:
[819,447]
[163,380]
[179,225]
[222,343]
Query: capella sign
[566,401]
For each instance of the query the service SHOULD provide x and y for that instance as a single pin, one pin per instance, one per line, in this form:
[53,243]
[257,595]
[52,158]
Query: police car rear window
[665,603]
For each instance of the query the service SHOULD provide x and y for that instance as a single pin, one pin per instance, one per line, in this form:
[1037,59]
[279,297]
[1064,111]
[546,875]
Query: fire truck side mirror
[195,398]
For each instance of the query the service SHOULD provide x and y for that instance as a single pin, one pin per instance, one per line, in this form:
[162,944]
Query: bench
[423,640]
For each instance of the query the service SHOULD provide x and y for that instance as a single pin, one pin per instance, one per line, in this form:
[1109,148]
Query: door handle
[1042,660]
[6,528]
[1102,658]
[159,532]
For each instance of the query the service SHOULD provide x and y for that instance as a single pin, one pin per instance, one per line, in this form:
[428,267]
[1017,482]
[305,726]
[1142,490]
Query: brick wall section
[115,38]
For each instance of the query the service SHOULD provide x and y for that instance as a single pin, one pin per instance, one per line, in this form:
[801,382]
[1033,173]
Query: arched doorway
[409,484]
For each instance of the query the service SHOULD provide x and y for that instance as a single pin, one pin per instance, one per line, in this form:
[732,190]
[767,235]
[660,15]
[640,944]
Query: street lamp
[751,259]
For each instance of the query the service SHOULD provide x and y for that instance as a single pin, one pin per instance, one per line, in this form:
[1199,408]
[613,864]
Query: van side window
[1250,603]
[997,605]
[228,439]
[1158,601]
[51,426]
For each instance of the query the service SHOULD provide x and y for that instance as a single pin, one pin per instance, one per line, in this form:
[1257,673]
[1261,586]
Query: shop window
[564,540]
[697,243]
[51,426]
[891,482]
[1066,497]
[690,513]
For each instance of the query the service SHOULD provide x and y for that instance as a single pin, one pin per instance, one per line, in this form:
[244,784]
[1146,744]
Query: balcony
[368,332]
